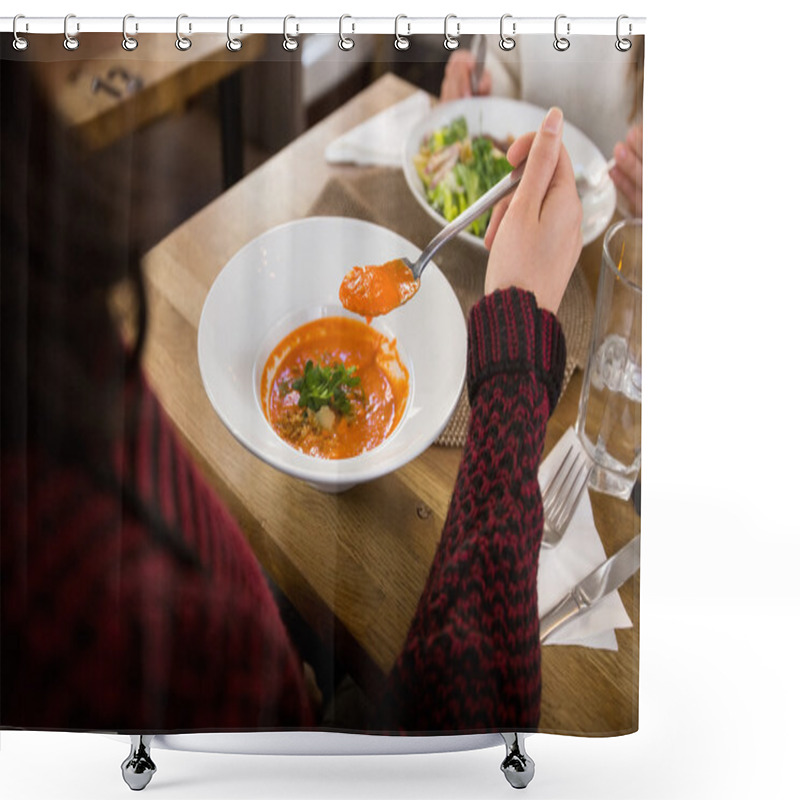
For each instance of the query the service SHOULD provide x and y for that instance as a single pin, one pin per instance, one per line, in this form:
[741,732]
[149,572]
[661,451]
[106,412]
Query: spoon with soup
[378,289]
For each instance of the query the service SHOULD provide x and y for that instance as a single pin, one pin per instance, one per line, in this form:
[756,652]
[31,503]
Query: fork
[560,496]
[479,52]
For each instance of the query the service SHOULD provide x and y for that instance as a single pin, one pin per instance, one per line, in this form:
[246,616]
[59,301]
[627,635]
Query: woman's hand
[457,82]
[627,173]
[534,236]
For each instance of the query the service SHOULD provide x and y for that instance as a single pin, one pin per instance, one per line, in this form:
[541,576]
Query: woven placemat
[381,195]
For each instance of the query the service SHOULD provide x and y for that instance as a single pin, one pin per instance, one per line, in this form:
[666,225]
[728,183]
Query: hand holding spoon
[375,290]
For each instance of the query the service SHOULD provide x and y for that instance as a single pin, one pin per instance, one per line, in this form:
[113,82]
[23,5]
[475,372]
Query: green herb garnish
[326,386]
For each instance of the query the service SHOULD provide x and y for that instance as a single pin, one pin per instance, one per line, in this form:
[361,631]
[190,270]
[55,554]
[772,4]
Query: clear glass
[610,413]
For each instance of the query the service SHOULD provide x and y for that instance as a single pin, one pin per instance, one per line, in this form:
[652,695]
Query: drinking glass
[610,413]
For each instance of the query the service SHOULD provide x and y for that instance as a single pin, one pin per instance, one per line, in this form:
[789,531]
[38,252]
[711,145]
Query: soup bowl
[289,276]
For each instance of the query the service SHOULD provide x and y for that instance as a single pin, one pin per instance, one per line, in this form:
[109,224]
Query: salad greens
[457,169]
[454,132]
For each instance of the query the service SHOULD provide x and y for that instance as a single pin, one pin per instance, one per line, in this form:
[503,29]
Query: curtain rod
[297,25]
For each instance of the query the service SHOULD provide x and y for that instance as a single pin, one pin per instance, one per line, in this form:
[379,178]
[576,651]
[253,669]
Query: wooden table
[357,579]
[103,92]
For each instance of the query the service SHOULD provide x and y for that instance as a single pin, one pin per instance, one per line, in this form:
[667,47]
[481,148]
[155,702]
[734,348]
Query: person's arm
[471,659]
[136,604]
[215,653]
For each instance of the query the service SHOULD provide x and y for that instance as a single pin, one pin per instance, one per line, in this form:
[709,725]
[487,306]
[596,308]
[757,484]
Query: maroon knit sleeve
[137,604]
[510,334]
[215,651]
[471,661]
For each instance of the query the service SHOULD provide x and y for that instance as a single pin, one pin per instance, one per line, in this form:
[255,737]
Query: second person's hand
[456,83]
[627,172]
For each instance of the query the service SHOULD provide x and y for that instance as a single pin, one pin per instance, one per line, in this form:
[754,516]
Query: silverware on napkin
[608,577]
[478,50]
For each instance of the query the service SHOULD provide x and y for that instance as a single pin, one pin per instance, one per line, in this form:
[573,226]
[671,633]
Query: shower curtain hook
[234,45]
[451,42]
[182,42]
[623,45]
[20,43]
[289,43]
[70,42]
[128,42]
[561,43]
[344,42]
[507,42]
[401,42]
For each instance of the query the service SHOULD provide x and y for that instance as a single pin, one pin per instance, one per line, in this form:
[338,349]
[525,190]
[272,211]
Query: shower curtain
[184,548]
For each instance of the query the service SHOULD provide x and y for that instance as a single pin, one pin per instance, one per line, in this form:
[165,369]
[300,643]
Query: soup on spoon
[378,289]
[375,290]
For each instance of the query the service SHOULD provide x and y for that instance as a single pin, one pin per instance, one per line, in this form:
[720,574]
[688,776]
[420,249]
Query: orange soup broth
[377,403]
[378,289]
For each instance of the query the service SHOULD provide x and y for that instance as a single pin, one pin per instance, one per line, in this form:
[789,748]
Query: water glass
[610,413]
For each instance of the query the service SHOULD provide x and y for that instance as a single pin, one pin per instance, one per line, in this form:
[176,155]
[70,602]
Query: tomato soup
[375,290]
[372,397]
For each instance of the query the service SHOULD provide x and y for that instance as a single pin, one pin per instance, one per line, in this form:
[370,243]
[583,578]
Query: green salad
[456,169]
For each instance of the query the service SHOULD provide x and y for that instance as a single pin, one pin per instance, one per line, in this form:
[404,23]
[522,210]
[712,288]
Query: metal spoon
[375,290]
[467,216]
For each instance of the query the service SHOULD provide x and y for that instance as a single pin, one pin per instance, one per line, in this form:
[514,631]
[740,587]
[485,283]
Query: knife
[608,577]
[478,50]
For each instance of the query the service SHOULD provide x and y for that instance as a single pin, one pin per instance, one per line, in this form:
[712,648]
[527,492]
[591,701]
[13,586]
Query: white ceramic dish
[291,275]
[501,117]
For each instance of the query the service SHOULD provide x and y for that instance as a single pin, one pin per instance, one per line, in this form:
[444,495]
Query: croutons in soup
[334,388]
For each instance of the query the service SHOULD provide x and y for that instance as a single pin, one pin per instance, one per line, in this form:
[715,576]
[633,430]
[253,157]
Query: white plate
[501,117]
[291,275]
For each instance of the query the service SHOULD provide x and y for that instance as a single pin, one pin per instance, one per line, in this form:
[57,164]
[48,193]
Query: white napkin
[379,141]
[576,555]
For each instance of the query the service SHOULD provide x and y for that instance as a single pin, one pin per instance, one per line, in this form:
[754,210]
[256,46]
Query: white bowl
[291,275]
[500,117]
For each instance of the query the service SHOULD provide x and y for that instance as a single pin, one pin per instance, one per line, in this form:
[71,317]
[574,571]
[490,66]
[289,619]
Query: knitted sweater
[143,614]
[471,661]
[149,612]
